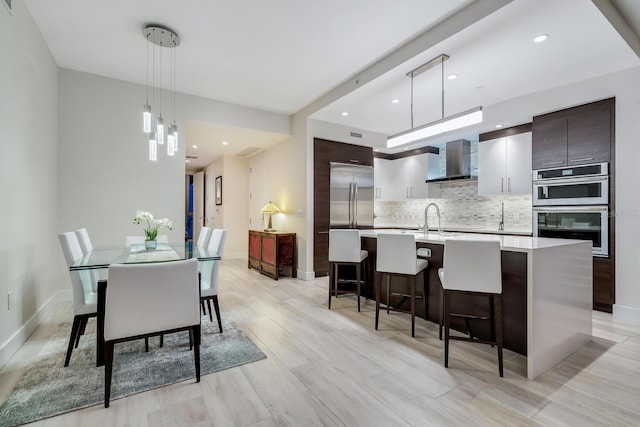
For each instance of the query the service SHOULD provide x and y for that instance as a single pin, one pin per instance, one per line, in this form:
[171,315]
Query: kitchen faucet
[426,221]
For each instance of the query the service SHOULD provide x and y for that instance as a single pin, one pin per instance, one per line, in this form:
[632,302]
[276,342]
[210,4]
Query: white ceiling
[281,55]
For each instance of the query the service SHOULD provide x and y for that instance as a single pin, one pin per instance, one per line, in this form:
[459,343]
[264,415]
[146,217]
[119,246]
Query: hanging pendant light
[153,147]
[164,38]
[444,124]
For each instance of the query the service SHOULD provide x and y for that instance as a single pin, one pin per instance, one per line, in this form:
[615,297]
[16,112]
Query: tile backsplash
[460,207]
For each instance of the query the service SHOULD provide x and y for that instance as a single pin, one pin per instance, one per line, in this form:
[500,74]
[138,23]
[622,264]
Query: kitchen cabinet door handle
[407,192]
[411,192]
[584,159]
[509,184]
[502,185]
[552,163]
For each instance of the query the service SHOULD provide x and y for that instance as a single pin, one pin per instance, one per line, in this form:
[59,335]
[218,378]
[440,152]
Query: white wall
[105,174]
[28,177]
[282,180]
[233,214]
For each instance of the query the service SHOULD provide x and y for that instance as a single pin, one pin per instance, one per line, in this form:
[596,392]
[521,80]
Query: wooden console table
[272,252]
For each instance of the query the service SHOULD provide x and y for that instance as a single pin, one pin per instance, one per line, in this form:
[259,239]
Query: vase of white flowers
[151,227]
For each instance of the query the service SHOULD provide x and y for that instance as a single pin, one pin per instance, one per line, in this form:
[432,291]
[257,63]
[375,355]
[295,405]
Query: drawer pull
[581,160]
[552,163]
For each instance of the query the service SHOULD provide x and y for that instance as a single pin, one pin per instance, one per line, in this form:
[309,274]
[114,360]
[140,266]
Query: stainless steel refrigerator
[351,194]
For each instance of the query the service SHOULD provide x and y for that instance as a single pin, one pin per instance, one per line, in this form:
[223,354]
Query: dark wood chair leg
[83,322]
[146,344]
[358,285]
[190,339]
[447,301]
[210,312]
[204,309]
[331,274]
[425,293]
[108,368]
[413,306]
[378,291]
[498,331]
[196,350]
[161,340]
[388,292]
[441,312]
[363,265]
[75,329]
[217,308]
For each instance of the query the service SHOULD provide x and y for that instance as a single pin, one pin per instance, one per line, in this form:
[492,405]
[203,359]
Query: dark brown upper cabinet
[574,136]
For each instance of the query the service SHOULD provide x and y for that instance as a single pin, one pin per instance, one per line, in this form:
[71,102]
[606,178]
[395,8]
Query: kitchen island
[547,292]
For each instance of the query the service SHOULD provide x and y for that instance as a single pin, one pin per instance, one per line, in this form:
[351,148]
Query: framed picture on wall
[219,190]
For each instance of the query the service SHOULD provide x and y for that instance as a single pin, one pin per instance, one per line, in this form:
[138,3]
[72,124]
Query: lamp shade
[270,208]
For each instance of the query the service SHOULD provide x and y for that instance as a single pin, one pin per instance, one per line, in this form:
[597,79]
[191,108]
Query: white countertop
[507,243]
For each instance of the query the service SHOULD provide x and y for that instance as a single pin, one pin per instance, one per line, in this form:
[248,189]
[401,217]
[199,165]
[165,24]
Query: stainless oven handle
[570,180]
[598,208]
[553,163]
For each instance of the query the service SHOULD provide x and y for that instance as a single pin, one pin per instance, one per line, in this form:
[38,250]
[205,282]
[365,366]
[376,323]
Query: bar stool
[397,256]
[473,268]
[345,249]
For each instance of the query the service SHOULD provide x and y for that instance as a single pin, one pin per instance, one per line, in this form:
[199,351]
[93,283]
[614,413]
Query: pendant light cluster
[158,132]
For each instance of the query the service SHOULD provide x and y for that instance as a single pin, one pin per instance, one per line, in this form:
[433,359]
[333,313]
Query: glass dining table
[103,257]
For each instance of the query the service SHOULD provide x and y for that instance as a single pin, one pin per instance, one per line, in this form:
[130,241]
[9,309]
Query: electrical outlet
[424,252]
[9,301]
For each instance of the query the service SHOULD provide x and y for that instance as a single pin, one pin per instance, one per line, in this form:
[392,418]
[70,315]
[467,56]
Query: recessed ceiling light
[395,101]
[406,148]
[225,143]
[452,76]
[187,161]
[345,113]
[194,146]
[541,38]
[499,126]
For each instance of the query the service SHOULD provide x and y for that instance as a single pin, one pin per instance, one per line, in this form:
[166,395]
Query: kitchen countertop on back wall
[460,229]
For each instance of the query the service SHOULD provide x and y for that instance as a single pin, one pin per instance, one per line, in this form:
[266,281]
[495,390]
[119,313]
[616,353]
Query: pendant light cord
[442,83]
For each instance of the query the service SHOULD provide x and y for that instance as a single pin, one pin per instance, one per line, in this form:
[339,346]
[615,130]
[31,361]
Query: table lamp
[270,209]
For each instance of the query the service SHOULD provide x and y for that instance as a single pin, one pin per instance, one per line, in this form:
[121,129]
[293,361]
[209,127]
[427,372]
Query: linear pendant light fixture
[165,38]
[445,124]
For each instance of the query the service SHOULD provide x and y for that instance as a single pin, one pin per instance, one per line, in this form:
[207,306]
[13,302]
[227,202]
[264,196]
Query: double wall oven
[573,203]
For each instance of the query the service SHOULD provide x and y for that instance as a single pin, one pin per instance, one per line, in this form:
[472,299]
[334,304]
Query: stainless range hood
[458,155]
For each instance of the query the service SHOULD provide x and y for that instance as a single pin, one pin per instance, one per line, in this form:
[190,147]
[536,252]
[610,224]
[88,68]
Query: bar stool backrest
[396,253]
[471,265]
[344,246]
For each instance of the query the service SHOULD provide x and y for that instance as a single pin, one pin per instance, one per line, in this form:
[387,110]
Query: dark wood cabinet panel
[602,289]
[271,253]
[549,143]
[589,137]
[325,152]
[574,136]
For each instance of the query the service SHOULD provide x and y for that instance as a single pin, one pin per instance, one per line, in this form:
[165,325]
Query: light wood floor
[331,368]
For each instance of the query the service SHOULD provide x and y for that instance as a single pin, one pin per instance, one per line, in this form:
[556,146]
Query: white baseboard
[9,347]
[305,275]
[626,313]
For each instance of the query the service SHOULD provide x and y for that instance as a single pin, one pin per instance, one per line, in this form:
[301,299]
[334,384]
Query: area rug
[48,389]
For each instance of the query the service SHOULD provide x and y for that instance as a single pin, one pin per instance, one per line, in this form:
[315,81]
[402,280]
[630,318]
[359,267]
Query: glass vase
[150,245]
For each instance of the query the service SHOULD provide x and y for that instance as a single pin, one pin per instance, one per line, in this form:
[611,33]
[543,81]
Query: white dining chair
[209,275]
[396,256]
[130,314]
[136,240]
[345,250]
[204,237]
[472,267]
[84,296]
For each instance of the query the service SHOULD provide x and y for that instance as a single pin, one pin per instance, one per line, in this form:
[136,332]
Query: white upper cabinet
[409,175]
[504,165]
[383,187]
